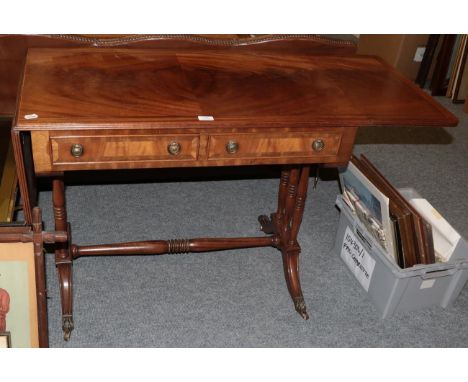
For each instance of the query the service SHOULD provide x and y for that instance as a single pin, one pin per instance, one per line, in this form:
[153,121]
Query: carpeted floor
[239,299]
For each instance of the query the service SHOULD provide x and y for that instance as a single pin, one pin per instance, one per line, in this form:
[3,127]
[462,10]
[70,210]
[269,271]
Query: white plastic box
[391,288]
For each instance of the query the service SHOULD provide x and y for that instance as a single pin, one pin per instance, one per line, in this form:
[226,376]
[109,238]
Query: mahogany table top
[80,88]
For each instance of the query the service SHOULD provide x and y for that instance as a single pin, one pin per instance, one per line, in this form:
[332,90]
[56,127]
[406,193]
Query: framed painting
[18,302]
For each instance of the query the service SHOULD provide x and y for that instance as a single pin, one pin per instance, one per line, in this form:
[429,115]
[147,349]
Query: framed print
[18,302]
[370,206]
[5,340]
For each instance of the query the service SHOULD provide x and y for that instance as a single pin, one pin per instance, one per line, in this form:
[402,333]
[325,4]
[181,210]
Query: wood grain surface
[132,88]
[13,49]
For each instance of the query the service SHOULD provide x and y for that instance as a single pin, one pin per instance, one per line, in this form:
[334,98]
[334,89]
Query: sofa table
[112,108]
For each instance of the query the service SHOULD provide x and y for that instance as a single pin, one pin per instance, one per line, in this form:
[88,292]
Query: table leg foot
[63,257]
[267,224]
[67,326]
[300,306]
[66,293]
[291,274]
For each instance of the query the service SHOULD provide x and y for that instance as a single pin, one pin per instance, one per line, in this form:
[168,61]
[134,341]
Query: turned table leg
[63,257]
[290,247]
[286,223]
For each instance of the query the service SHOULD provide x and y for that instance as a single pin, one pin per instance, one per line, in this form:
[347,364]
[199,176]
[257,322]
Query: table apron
[59,151]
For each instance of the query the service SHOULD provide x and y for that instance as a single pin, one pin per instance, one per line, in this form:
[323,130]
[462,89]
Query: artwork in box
[18,304]
[370,206]
[445,236]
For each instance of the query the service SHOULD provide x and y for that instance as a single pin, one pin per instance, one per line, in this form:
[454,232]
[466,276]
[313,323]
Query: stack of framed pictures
[402,232]
[445,66]
[369,204]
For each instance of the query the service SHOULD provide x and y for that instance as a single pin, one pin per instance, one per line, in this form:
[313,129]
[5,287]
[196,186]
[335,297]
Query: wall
[397,49]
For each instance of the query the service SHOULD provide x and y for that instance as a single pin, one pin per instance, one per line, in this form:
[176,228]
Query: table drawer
[244,146]
[123,148]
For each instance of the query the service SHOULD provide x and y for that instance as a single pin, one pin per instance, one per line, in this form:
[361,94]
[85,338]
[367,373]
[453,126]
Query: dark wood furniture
[13,49]
[94,109]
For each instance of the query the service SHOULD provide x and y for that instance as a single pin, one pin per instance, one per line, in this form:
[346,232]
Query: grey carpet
[239,299]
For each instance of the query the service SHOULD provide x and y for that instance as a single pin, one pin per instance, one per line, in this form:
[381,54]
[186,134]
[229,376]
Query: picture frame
[5,340]
[18,297]
[370,205]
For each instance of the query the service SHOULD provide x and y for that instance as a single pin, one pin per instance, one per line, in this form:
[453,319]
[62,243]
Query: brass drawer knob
[232,147]
[77,150]
[173,148]
[318,145]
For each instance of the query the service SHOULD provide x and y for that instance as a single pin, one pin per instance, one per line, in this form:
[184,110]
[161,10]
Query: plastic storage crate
[391,288]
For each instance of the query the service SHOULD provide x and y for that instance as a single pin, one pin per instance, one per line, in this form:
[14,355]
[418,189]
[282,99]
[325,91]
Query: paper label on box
[357,259]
